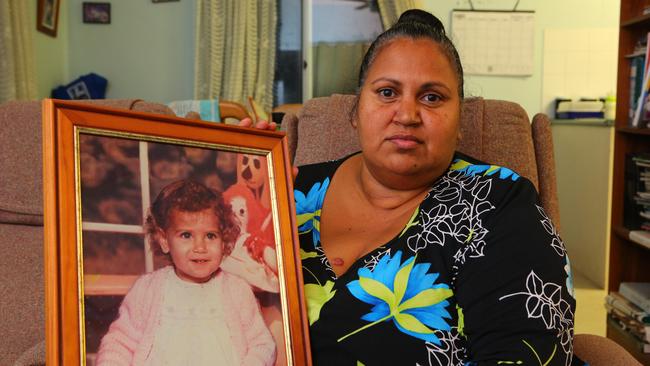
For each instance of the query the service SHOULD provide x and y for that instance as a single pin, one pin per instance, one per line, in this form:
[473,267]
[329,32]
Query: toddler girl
[190,313]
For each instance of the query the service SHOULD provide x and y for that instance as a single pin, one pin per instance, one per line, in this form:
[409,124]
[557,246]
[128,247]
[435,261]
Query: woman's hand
[261,125]
[266,125]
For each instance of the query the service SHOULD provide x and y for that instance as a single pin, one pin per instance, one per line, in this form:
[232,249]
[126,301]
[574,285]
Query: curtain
[390,10]
[16,52]
[235,51]
[336,67]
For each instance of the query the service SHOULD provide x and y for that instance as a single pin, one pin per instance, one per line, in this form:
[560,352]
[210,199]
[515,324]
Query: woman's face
[408,112]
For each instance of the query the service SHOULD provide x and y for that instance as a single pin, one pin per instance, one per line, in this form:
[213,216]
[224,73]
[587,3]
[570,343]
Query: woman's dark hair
[190,196]
[415,24]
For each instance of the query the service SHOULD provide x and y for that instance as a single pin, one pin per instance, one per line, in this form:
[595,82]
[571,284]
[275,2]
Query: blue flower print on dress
[405,293]
[473,169]
[308,209]
[569,277]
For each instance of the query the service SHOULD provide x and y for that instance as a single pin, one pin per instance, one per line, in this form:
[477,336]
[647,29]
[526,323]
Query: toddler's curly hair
[190,196]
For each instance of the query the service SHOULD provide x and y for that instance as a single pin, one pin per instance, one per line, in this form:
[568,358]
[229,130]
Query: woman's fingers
[266,125]
[261,125]
[246,122]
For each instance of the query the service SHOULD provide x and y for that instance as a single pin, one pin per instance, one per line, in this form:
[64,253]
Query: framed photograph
[158,227]
[96,13]
[47,16]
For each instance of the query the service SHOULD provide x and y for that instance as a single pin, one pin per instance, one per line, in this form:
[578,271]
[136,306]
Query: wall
[146,52]
[557,14]
[583,160]
[341,21]
[50,53]
[582,63]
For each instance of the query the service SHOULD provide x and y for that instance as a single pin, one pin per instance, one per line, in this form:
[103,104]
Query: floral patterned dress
[478,276]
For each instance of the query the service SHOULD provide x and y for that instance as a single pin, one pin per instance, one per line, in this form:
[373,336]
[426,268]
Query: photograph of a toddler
[192,312]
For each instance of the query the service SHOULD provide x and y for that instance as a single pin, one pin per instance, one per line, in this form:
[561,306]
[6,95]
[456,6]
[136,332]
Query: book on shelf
[617,301]
[639,343]
[636,81]
[637,292]
[636,205]
[638,329]
[641,237]
[640,109]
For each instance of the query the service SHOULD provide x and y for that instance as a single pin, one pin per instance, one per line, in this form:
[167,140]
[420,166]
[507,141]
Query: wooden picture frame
[96,13]
[93,157]
[47,16]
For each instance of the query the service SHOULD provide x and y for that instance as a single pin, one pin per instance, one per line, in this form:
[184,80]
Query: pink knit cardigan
[130,337]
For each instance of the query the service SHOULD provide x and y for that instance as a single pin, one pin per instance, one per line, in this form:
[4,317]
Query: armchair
[21,227]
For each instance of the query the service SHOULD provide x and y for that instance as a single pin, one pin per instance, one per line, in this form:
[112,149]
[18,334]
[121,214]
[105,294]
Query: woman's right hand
[261,125]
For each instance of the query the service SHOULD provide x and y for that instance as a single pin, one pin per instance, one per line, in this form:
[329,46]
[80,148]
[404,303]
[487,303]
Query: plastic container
[610,107]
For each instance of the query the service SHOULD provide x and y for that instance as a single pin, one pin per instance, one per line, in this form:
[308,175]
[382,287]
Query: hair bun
[421,17]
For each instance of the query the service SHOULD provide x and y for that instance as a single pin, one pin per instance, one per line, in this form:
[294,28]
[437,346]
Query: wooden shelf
[624,233]
[628,260]
[627,341]
[634,131]
[637,22]
[635,54]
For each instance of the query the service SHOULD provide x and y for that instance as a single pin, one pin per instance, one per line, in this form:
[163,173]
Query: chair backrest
[494,131]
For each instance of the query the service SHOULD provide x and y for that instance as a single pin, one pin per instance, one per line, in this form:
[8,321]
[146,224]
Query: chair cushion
[22,315]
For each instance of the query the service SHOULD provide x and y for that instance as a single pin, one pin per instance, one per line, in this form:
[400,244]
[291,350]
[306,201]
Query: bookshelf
[628,260]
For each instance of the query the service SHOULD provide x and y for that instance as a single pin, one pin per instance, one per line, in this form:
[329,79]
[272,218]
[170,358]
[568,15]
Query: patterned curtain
[235,51]
[336,67]
[390,10]
[16,52]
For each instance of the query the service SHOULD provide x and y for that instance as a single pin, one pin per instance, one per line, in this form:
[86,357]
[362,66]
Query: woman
[415,254]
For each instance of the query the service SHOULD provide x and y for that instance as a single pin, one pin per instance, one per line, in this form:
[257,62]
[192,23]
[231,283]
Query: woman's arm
[517,298]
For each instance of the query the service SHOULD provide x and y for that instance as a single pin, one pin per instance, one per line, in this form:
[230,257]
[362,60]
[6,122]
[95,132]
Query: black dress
[478,276]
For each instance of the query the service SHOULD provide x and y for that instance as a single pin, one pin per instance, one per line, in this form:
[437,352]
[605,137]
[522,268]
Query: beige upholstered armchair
[21,213]
[21,223]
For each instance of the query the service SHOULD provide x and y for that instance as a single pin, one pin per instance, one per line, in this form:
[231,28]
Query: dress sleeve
[260,345]
[516,295]
[118,346]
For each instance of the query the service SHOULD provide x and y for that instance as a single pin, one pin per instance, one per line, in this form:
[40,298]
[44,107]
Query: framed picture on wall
[47,16]
[96,13]
[156,223]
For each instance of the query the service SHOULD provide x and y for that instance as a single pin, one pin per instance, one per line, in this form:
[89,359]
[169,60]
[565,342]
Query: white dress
[193,329]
